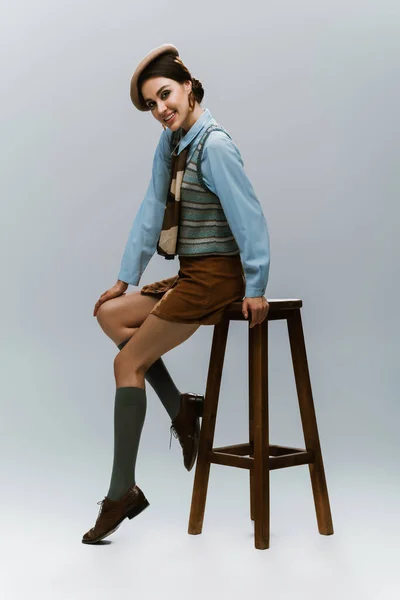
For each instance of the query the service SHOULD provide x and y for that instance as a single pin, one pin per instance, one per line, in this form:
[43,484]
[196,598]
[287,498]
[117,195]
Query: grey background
[309,91]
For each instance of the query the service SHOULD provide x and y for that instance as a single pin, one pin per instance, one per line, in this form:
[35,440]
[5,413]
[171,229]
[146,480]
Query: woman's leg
[155,337]
[120,319]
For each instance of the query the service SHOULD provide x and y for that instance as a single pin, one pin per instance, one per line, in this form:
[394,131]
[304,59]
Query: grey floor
[42,555]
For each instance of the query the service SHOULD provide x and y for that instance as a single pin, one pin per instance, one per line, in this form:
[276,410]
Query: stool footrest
[302,457]
[238,449]
[241,456]
[229,460]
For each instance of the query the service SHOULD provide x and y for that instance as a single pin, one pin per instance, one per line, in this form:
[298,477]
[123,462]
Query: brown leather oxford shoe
[186,427]
[113,512]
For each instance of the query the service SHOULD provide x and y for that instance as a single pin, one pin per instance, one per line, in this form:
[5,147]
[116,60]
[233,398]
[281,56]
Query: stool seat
[274,304]
[277,306]
[257,455]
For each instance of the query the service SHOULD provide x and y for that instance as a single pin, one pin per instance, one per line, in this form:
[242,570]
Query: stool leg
[258,376]
[309,423]
[251,436]
[199,494]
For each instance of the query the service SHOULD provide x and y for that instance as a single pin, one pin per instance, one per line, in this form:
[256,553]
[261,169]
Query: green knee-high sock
[161,382]
[129,415]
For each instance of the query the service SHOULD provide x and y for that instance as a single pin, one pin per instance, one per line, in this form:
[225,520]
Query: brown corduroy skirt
[204,286]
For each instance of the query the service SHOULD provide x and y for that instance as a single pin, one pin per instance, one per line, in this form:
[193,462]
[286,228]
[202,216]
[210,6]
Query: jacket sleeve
[223,173]
[145,231]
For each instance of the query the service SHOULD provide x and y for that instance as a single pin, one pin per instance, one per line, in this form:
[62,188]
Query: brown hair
[168,65]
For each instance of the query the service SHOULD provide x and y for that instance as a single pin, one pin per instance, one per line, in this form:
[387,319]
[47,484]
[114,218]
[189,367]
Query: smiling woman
[200,207]
[166,88]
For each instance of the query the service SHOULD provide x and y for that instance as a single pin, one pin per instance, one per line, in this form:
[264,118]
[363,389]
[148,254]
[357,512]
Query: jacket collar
[202,122]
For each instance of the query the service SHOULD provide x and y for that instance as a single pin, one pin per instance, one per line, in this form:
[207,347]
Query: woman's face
[166,97]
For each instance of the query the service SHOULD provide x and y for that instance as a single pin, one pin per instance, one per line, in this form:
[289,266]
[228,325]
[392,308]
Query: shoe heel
[138,509]
[198,403]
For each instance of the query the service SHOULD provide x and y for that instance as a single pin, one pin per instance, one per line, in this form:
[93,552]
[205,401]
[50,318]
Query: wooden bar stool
[257,455]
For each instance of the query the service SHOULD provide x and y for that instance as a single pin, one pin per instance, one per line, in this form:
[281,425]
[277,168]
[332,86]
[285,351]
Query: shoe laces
[173,433]
[176,436]
[101,505]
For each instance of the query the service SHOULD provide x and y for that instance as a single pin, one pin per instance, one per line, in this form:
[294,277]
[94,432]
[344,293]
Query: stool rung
[303,457]
[239,449]
[275,450]
[280,457]
[229,460]
[248,449]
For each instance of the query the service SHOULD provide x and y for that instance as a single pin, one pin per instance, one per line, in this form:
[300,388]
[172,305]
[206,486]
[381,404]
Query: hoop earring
[192,97]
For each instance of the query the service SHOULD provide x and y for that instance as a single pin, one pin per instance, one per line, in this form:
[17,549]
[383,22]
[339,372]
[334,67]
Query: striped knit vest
[203,228]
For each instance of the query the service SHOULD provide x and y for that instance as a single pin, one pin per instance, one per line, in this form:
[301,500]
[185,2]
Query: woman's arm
[223,173]
[145,231]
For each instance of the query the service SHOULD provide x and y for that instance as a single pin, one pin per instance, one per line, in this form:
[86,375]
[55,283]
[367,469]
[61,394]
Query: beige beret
[164,49]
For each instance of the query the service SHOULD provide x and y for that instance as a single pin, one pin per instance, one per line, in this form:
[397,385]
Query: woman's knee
[124,364]
[128,310]
[105,312]
[101,315]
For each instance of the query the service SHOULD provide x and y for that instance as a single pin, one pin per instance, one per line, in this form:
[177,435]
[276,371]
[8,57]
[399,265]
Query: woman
[201,207]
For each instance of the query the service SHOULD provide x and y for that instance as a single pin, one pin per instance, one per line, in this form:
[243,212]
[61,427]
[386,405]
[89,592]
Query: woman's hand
[117,290]
[258,307]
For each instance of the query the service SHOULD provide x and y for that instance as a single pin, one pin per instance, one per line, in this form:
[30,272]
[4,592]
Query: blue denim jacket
[224,174]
